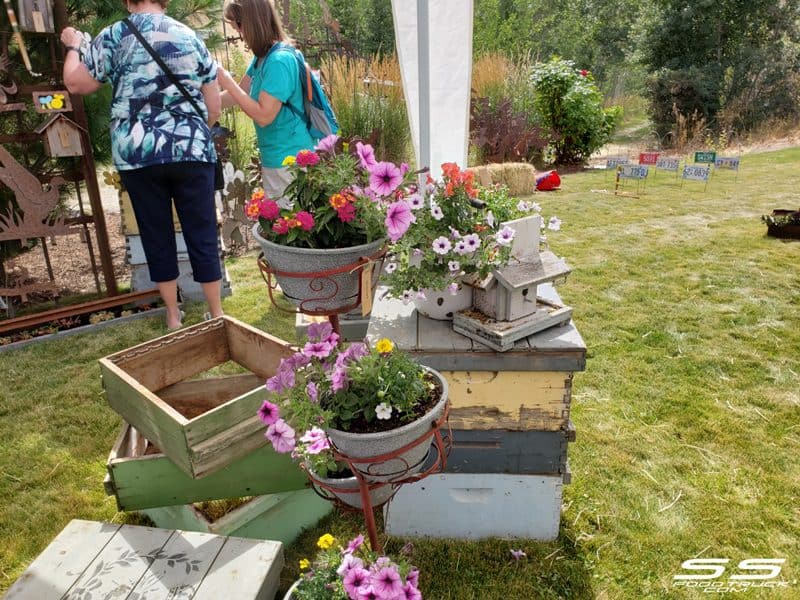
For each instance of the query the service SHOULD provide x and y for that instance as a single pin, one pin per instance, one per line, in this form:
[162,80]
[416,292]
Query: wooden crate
[512,452]
[100,560]
[279,517]
[471,506]
[202,425]
[513,400]
[141,477]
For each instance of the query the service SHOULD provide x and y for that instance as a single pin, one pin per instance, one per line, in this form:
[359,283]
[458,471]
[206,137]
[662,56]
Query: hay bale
[520,178]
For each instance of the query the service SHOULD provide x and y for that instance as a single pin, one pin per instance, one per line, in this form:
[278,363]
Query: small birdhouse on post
[35,15]
[61,136]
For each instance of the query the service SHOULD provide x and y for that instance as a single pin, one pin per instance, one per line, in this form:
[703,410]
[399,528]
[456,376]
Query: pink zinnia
[398,219]
[384,178]
[269,210]
[281,226]
[366,155]
[269,412]
[387,583]
[306,158]
[347,213]
[281,436]
[306,220]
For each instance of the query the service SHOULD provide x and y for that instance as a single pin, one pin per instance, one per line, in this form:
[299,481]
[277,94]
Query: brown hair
[162,3]
[259,23]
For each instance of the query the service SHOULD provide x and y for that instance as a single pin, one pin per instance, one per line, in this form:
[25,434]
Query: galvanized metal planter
[205,424]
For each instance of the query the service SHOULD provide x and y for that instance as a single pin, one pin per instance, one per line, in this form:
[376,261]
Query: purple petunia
[387,583]
[281,436]
[327,144]
[441,245]
[282,380]
[318,332]
[312,392]
[269,413]
[350,562]
[384,178]
[317,349]
[366,155]
[338,379]
[398,219]
[518,554]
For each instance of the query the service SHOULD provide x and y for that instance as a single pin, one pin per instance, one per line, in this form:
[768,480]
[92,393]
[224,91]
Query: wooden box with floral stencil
[195,392]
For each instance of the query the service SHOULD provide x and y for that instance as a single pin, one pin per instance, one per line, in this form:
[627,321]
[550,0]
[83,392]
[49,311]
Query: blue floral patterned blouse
[152,123]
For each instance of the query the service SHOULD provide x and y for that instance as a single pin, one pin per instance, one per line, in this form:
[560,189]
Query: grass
[688,414]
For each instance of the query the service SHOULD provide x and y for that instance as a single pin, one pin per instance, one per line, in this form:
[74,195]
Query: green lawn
[688,414]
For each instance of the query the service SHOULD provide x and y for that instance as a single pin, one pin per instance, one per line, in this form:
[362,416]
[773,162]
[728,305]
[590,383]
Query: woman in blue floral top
[160,145]
[272,81]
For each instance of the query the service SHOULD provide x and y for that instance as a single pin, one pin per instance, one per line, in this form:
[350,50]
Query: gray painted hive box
[140,476]
[99,561]
[203,424]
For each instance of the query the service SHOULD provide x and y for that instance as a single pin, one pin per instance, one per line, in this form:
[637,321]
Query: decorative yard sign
[727,162]
[648,158]
[666,163]
[52,102]
[705,156]
[632,171]
[696,173]
[612,162]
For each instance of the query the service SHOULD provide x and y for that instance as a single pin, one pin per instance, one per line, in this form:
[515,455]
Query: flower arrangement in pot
[366,402]
[459,229]
[354,572]
[342,206]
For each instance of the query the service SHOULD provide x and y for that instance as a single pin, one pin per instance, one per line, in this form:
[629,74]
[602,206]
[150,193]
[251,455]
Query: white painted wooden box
[99,561]
[472,506]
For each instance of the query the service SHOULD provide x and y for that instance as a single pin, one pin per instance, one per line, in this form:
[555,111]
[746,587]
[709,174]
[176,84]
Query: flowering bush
[455,231]
[352,388]
[356,573]
[339,197]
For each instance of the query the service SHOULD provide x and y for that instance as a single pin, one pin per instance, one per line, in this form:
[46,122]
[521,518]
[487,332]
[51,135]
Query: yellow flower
[326,541]
[345,147]
[304,564]
[384,346]
[289,161]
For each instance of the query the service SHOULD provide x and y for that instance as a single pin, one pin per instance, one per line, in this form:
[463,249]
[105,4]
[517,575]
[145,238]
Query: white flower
[383,411]
[407,296]
[420,295]
[473,242]
[441,245]
[453,289]
[535,207]
[415,201]
[461,248]
[490,219]
[554,224]
[391,267]
[505,236]
[436,212]
[454,265]
[523,206]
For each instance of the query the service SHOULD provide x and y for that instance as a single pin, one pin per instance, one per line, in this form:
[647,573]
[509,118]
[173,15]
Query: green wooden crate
[202,425]
[280,517]
[140,478]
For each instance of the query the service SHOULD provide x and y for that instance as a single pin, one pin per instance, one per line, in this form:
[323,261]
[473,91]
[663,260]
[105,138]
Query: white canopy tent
[434,47]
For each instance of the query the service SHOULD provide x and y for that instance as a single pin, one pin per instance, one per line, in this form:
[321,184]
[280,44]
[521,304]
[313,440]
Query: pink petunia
[384,178]
[311,392]
[282,380]
[338,379]
[281,436]
[327,144]
[269,210]
[307,158]
[398,219]
[387,583]
[268,413]
[317,349]
[319,332]
[411,592]
[366,155]
[367,592]
[413,577]
[306,220]
[312,435]
[354,544]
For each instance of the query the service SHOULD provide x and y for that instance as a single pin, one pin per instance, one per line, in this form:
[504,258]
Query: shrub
[570,104]
[500,133]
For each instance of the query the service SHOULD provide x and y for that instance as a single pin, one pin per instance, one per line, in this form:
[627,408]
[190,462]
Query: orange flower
[338,201]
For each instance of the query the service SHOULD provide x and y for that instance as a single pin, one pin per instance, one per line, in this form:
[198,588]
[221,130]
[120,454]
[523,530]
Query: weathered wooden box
[102,560]
[280,517]
[140,476]
[511,452]
[471,506]
[202,425]
[512,400]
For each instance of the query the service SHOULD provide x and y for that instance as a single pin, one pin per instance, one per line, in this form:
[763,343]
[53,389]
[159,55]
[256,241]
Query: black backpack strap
[167,71]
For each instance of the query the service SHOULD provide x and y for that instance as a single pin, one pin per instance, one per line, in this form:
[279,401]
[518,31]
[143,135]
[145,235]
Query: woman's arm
[227,99]
[76,76]
[263,112]
[211,96]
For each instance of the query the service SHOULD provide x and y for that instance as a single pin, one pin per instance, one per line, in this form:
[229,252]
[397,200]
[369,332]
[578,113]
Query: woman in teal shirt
[272,80]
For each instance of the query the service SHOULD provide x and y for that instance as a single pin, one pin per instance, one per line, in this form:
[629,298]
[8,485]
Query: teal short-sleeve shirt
[279,76]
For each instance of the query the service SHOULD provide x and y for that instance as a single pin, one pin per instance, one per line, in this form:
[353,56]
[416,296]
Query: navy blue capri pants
[191,186]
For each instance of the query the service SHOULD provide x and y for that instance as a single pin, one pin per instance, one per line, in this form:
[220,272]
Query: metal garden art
[360,418]
[334,222]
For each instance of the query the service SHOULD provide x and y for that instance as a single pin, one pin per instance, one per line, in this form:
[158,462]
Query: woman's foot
[175,320]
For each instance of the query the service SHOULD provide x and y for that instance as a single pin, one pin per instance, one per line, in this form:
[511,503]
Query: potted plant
[459,229]
[343,204]
[343,408]
[355,572]
[783,223]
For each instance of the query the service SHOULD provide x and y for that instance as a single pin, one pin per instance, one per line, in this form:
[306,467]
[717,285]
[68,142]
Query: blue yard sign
[633,171]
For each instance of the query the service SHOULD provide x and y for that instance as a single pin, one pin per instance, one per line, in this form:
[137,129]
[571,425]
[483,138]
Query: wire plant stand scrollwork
[440,447]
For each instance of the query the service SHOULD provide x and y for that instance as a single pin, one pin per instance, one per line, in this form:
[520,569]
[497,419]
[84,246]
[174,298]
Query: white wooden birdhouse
[62,136]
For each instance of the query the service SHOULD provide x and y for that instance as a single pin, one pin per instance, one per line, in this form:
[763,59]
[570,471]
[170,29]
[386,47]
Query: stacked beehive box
[134,255]
[192,433]
[510,429]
